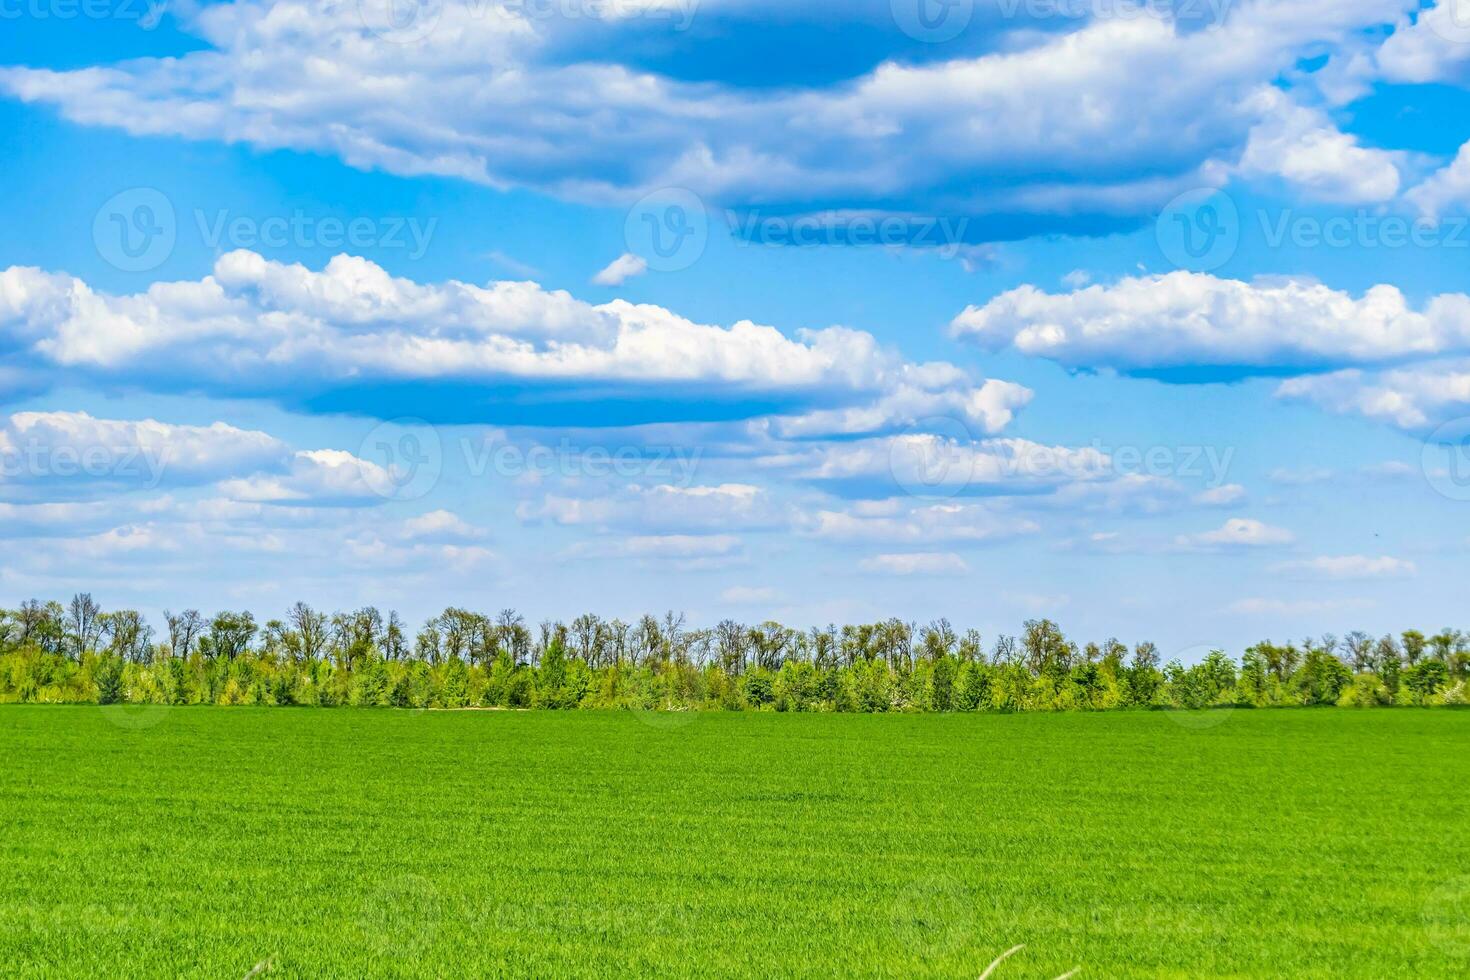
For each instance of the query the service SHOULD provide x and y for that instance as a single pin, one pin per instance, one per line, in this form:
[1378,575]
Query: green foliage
[464,659]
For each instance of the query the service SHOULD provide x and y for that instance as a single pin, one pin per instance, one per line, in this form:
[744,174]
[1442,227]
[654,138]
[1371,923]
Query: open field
[204,842]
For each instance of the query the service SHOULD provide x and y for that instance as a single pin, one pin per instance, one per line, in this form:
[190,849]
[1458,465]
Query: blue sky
[1147,317]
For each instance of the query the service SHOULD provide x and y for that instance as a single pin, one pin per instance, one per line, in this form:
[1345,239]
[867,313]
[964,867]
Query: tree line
[77,652]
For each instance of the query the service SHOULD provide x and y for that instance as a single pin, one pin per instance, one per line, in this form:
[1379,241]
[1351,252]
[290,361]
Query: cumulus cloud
[1238,532]
[60,450]
[1342,567]
[938,464]
[356,338]
[1417,398]
[1305,149]
[1186,319]
[1040,133]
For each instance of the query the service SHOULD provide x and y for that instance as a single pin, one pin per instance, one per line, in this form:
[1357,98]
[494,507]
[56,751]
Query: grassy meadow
[204,842]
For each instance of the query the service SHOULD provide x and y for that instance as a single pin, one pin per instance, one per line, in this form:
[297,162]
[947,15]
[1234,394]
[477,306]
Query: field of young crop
[210,842]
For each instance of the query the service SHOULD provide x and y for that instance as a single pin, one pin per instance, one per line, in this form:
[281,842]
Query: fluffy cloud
[935,464]
[1416,399]
[353,337]
[1186,319]
[1302,147]
[1350,567]
[318,476]
[1238,532]
[1040,133]
[74,449]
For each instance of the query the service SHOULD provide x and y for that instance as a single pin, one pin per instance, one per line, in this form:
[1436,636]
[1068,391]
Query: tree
[1426,678]
[183,630]
[310,627]
[230,634]
[1414,646]
[1359,647]
[83,625]
[127,635]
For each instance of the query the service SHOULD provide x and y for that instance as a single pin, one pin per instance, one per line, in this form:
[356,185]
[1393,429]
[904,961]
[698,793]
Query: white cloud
[929,563]
[1238,532]
[1303,147]
[258,327]
[1415,399]
[1184,319]
[1350,567]
[1447,190]
[681,551]
[439,527]
[941,464]
[929,392]
[327,476]
[907,522]
[1044,121]
[1221,496]
[744,595]
[77,449]
[621,269]
[664,507]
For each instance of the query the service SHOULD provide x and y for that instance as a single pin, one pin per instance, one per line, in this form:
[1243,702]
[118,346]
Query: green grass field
[312,843]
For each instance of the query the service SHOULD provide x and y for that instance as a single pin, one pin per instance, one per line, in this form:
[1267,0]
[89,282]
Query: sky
[1149,317]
